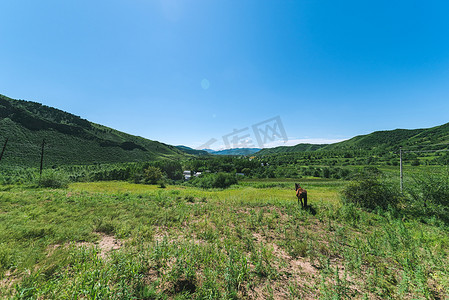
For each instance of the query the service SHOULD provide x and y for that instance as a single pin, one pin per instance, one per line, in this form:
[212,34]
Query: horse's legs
[305,200]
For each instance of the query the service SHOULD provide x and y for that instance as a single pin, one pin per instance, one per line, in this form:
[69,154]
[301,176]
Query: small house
[187,174]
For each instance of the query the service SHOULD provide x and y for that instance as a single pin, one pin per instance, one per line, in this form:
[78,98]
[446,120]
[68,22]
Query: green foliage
[209,181]
[273,166]
[124,171]
[171,169]
[53,179]
[17,175]
[162,184]
[150,175]
[370,192]
[430,188]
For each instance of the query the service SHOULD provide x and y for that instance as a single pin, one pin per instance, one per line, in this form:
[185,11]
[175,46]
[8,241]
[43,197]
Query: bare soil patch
[107,244]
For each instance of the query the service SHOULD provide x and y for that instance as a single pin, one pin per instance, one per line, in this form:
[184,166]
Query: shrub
[432,188]
[162,184]
[326,173]
[150,175]
[219,180]
[370,192]
[53,179]
[415,162]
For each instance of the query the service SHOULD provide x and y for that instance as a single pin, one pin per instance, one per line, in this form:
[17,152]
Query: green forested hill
[69,139]
[389,140]
[287,149]
[435,137]
[378,139]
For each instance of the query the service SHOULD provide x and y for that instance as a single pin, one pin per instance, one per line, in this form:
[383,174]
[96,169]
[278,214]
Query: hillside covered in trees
[69,139]
[435,138]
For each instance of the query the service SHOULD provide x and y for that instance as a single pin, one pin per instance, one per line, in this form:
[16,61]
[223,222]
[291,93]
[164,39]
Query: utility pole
[3,150]
[42,158]
[400,167]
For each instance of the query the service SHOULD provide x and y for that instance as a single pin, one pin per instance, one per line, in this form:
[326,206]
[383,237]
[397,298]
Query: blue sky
[183,72]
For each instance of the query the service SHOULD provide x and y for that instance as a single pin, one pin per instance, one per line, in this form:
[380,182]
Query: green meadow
[118,240]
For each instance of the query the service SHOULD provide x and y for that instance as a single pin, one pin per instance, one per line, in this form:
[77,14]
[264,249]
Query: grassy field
[105,240]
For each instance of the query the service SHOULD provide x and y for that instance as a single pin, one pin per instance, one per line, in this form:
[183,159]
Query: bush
[415,163]
[162,184]
[53,179]
[219,180]
[150,175]
[370,192]
[430,188]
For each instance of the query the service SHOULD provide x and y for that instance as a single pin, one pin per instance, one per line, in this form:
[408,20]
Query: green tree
[152,175]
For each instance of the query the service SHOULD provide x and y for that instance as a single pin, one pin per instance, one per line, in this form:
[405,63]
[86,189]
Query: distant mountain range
[69,139]
[434,138]
[234,151]
[193,151]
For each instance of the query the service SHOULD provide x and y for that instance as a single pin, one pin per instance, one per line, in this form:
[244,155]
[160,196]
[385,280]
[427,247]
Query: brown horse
[301,194]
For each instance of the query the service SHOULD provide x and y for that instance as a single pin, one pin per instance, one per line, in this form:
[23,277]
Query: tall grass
[184,242]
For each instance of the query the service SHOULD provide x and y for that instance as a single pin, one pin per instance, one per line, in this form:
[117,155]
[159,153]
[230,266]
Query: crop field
[117,240]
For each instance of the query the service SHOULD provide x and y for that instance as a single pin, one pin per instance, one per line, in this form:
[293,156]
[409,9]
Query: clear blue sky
[183,72]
